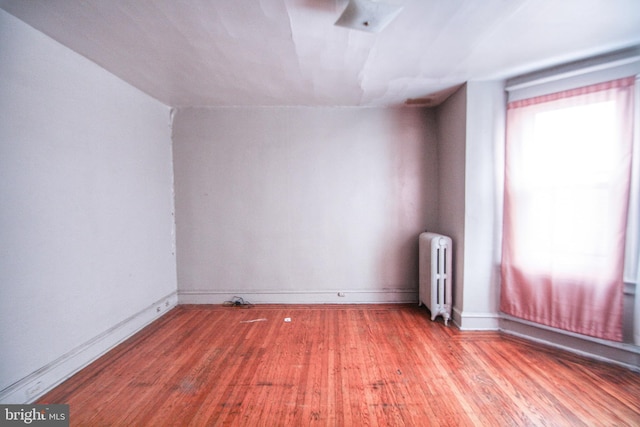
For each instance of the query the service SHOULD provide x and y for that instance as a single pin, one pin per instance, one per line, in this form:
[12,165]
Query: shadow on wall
[413,194]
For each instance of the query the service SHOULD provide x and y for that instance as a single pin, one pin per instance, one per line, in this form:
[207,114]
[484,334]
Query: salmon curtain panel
[567,174]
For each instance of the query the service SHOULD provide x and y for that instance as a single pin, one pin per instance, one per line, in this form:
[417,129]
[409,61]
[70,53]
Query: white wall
[452,135]
[470,137]
[297,204]
[85,215]
[486,109]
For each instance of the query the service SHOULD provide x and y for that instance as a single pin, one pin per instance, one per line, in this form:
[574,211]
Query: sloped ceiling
[289,52]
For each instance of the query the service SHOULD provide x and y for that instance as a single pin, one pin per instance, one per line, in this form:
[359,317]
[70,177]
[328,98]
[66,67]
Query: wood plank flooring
[346,365]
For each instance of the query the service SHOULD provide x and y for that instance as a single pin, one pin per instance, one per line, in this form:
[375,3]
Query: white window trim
[611,66]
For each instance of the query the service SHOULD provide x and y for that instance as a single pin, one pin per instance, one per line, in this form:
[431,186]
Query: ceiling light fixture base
[368,15]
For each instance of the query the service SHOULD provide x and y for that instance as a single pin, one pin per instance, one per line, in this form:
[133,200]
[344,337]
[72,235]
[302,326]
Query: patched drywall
[298,204]
[289,52]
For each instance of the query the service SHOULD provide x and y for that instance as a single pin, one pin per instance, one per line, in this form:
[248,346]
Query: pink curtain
[567,172]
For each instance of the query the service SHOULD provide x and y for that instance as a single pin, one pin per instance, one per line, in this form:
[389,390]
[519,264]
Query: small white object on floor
[254,320]
[287,319]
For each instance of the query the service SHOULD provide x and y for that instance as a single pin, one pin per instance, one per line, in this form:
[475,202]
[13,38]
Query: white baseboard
[466,321]
[301,297]
[34,385]
[622,354]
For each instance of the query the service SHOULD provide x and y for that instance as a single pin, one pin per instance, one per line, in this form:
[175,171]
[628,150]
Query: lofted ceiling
[289,52]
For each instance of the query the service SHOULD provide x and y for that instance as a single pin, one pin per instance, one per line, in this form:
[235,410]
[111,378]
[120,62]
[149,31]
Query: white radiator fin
[435,251]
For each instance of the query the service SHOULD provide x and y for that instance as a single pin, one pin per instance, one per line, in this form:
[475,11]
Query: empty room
[327,212]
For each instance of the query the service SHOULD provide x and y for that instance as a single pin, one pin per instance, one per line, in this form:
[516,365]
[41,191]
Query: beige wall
[298,204]
[452,134]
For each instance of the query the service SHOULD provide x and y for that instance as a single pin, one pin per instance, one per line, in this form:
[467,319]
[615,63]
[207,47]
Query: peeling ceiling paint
[289,52]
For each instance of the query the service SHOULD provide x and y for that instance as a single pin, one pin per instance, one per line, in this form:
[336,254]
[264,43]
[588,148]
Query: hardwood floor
[340,366]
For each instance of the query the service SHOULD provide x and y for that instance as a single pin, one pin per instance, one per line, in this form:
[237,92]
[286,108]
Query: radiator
[435,252]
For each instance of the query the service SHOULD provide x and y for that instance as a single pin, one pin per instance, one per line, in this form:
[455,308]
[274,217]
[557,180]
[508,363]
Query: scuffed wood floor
[346,365]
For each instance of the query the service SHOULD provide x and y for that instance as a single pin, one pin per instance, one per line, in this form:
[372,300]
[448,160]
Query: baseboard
[622,354]
[466,321]
[36,384]
[301,297]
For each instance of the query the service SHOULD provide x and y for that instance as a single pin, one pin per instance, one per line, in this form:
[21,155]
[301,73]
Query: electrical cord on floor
[237,302]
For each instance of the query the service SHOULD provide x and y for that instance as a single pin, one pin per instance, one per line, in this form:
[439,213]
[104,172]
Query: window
[568,169]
